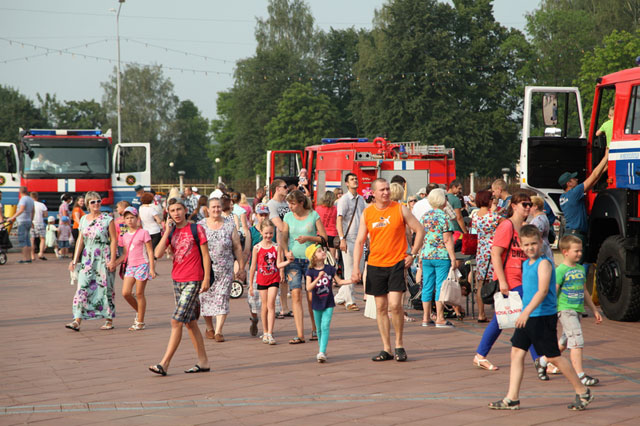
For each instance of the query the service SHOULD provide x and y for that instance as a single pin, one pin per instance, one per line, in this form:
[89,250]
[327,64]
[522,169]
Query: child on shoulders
[537,324]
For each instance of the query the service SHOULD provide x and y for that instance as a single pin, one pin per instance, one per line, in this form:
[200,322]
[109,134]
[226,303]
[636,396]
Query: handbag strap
[504,264]
[355,210]
[129,247]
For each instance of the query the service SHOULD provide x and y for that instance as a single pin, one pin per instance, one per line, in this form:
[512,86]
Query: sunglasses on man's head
[95,202]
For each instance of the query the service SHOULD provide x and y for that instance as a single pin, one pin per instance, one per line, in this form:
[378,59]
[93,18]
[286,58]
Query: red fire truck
[554,140]
[328,163]
[54,162]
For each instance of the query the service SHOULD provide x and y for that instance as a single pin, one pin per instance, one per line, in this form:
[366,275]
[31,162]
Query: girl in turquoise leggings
[319,278]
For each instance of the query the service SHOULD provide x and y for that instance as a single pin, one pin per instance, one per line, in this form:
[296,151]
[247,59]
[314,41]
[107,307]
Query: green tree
[304,117]
[284,55]
[618,52]
[563,31]
[190,143]
[16,111]
[148,107]
[444,75]
[338,56]
[85,114]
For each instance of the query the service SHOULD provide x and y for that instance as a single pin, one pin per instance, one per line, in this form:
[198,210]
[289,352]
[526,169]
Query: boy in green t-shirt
[607,127]
[572,295]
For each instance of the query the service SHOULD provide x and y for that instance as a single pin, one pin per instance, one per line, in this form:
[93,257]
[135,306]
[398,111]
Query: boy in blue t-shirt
[537,324]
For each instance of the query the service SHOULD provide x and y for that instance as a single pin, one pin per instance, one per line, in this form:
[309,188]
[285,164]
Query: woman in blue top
[302,227]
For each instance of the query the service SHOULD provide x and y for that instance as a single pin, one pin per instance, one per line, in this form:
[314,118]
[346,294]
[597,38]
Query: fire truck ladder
[414,147]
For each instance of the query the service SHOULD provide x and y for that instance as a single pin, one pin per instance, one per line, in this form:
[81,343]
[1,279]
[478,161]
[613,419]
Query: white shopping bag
[507,309]
[450,292]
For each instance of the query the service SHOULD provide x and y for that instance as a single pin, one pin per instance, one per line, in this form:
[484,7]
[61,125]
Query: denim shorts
[295,272]
[23,234]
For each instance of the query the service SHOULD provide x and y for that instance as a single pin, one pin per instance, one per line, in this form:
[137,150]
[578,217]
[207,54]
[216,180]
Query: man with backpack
[190,252]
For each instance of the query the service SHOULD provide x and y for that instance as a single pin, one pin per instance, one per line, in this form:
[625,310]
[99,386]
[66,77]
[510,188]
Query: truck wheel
[619,295]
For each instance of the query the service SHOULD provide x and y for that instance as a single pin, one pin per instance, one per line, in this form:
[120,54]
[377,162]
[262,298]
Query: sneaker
[321,357]
[589,381]
[542,371]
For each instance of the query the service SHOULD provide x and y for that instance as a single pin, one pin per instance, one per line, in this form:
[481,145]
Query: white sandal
[137,325]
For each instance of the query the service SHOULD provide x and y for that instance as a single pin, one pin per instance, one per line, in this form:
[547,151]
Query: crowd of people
[293,252]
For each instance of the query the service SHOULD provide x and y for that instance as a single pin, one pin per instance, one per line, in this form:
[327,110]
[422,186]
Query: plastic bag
[507,309]
[450,292]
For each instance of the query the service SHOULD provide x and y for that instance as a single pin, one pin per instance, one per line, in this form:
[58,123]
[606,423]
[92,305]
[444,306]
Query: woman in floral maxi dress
[97,241]
[485,224]
[224,242]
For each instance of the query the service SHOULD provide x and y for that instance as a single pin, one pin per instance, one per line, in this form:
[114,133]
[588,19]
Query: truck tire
[619,295]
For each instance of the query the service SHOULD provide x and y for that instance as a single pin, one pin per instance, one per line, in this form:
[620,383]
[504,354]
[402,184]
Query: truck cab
[554,141]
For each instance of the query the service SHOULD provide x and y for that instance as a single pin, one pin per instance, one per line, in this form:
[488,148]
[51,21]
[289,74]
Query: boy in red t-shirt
[189,280]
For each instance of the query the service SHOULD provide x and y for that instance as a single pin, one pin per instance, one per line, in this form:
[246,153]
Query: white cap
[194,188]
[216,194]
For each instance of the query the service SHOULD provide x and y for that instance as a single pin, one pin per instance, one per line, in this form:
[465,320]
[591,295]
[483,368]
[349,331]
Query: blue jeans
[492,332]
[323,321]
[434,272]
[295,272]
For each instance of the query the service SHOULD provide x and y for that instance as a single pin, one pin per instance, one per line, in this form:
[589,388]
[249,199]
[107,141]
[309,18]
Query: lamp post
[181,174]
[118,76]
[217,160]
[505,173]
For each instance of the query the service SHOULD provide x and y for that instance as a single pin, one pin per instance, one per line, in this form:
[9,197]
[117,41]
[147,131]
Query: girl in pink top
[140,265]
[328,215]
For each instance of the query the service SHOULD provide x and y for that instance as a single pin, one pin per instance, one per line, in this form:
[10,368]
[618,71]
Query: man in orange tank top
[385,222]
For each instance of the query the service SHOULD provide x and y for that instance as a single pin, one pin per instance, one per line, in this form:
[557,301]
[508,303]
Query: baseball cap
[51,219]
[566,177]
[194,188]
[65,219]
[139,188]
[131,210]
[262,209]
[310,251]
[421,191]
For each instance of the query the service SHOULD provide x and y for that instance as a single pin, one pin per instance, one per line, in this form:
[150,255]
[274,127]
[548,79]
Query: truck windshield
[66,160]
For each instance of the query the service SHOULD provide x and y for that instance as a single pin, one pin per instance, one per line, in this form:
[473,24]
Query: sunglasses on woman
[526,204]
[92,202]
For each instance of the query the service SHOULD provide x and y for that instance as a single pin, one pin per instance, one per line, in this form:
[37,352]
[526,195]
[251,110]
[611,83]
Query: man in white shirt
[423,206]
[38,230]
[347,225]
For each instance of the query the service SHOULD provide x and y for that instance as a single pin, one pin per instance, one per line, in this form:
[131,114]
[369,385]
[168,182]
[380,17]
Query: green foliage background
[442,73]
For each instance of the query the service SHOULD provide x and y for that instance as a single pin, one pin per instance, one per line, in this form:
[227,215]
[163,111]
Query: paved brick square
[51,375]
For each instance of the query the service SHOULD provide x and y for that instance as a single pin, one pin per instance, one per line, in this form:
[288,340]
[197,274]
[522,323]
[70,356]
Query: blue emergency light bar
[335,140]
[52,132]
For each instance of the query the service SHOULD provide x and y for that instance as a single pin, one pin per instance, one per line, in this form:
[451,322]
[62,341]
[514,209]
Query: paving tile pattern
[51,375]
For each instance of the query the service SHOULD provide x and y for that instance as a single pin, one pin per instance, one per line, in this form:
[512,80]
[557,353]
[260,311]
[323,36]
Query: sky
[68,47]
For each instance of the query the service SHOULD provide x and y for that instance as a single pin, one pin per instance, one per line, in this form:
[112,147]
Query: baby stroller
[5,244]
[414,301]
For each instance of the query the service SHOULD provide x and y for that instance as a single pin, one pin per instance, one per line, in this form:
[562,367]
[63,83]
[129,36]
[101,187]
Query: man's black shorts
[541,332]
[381,280]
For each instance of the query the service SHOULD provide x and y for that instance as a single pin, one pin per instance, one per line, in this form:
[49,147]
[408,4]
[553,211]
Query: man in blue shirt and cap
[572,201]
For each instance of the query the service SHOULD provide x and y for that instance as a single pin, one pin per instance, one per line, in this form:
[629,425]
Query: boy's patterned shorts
[187,301]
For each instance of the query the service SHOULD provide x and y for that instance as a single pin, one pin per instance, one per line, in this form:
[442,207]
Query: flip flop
[483,320]
[401,355]
[280,316]
[382,356]
[158,369]
[288,314]
[197,369]
[296,341]
[73,326]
